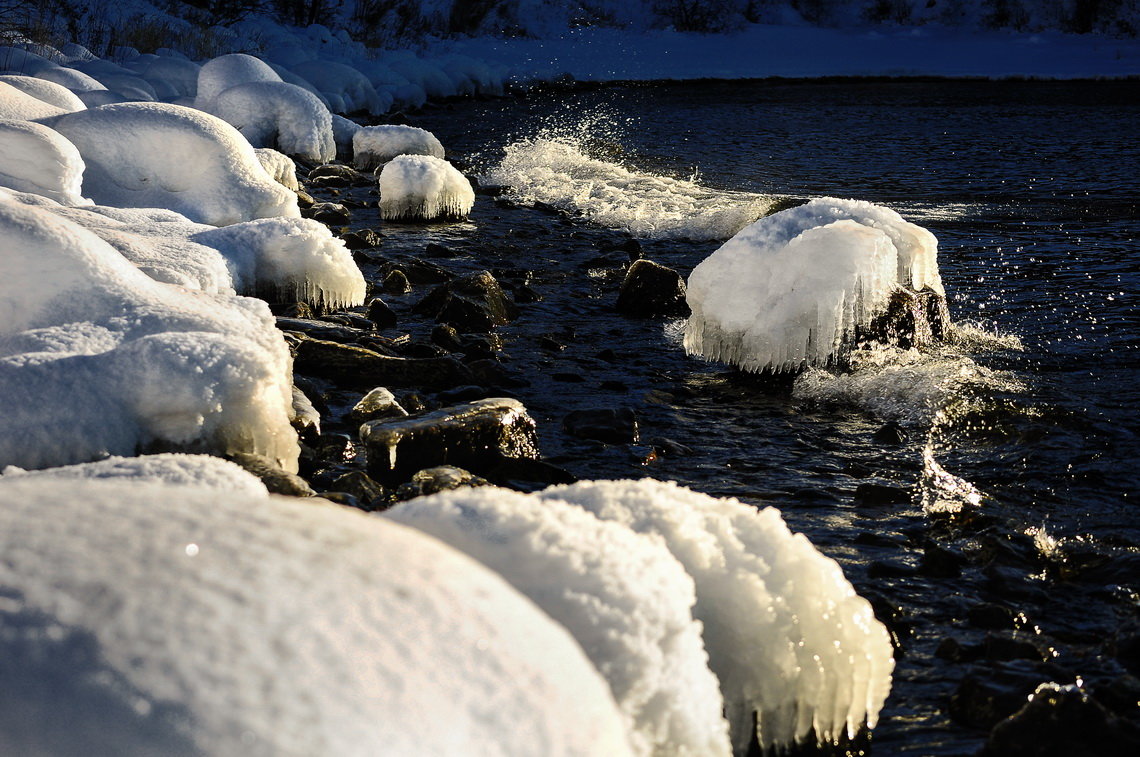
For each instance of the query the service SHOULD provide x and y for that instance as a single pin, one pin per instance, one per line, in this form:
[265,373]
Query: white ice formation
[373,146]
[423,188]
[202,471]
[157,155]
[624,597]
[39,160]
[219,74]
[148,619]
[96,358]
[791,289]
[785,632]
[278,115]
[279,166]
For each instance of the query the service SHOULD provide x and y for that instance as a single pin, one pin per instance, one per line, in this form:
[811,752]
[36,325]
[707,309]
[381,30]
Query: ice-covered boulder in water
[201,471]
[623,596]
[156,155]
[39,160]
[423,188]
[42,89]
[279,115]
[148,619]
[96,358]
[373,146]
[225,71]
[797,287]
[785,632]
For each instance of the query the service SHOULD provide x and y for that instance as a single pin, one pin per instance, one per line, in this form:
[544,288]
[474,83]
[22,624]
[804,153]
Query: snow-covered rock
[279,166]
[785,632]
[623,596]
[96,358]
[202,471]
[171,78]
[148,619]
[278,115]
[423,188]
[19,60]
[39,160]
[791,289]
[300,81]
[373,146]
[344,131]
[48,91]
[18,105]
[225,71]
[156,155]
[346,89]
[76,81]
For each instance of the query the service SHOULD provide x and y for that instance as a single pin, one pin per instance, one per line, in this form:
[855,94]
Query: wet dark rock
[475,436]
[435,250]
[1062,721]
[608,355]
[551,344]
[351,320]
[320,329]
[1002,646]
[609,425]
[890,433]
[937,314]
[276,479]
[670,448]
[526,475]
[893,617]
[631,247]
[306,420]
[650,290]
[885,569]
[461,394]
[381,314]
[342,498]
[438,479]
[304,199]
[525,295]
[940,562]
[354,366]
[446,336]
[614,386]
[335,170]
[314,392]
[417,349]
[291,309]
[1126,648]
[992,617]
[472,303]
[360,486]
[335,449]
[491,373]
[1121,694]
[396,282]
[421,271]
[328,213]
[880,495]
[907,322]
[361,239]
[568,378]
[986,696]
[378,403]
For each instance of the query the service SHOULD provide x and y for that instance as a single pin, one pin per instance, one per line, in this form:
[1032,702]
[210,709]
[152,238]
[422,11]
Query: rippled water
[1033,190]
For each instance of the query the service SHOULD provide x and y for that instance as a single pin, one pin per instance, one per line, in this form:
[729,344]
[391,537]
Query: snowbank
[280,115]
[792,289]
[96,358]
[201,471]
[39,160]
[373,146]
[147,619]
[156,155]
[624,598]
[423,188]
[785,632]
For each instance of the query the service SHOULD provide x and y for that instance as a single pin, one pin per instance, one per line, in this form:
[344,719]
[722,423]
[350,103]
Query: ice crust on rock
[279,166]
[423,188]
[279,115]
[373,146]
[623,596]
[47,91]
[201,471]
[157,155]
[791,289]
[96,358]
[785,632]
[39,160]
[168,620]
[219,74]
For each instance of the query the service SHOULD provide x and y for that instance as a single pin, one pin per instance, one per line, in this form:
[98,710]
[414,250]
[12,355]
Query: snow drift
[423,188]
[47,91]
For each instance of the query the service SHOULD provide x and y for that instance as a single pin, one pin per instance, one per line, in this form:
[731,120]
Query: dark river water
[1013,457]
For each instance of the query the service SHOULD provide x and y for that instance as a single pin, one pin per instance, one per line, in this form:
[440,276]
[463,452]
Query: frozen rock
[292,78]
[373,146]
[39,160]
[225,71]
[623,596]
[47,91]
[156,155]
[144,619]
[785,632]
[278,115]
[423,188]
[202,471]
[378,403]
[279,166]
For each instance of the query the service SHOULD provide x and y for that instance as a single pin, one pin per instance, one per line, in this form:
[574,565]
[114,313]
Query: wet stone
[396,282]
[438,479]
[378,403]
[475,436]
[529,475]
[890,433]
[650,290]
[306,420]
[472,303]
[461,394]
[609,425]
[940,562]
[354,366]
[320,329]
[907,321]
[381,315]
[435,250]
[330,170]
[1062,720]
[292,309]
[361,239]
[992,617]
[359,485]
[276,479]
[328,213]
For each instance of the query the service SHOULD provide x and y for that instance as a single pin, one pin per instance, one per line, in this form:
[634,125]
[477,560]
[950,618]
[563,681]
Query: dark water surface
[1033,190]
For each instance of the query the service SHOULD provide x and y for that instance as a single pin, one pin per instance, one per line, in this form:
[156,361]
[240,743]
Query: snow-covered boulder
[17,59]
[423,188]
[279,166]
[292,78]
[96,358]
[149,619]
[171,78]
[623,596]
[202,471]
[156,155]
[131,88]
[18,105]
[785,632]
[344,85]
[76,81]
[39,160]
[48,91]
[278,115]
[225,71]
[373,146]
[793,289]
[344,131]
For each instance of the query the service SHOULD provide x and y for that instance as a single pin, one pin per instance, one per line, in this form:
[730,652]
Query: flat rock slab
[475,436]
[358,366]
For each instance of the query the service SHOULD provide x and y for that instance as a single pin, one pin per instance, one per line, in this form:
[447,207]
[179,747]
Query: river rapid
[985,491]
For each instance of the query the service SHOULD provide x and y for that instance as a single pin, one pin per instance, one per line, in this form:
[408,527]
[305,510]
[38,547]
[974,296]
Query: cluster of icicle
[423,188]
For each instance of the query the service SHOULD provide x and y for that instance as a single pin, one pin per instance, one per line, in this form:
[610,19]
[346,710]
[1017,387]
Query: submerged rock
[609,425]
[1064,721]
[357,365]
[651,289]
[472,303]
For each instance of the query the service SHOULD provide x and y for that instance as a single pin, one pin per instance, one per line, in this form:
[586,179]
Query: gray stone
[378,403]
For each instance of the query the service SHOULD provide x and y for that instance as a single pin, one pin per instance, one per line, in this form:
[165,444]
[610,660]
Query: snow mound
[279,115]
[423,188]
[36,159]
[556,170]
[156,155]
[149,619]
[792,289]
[346,89]
[18,105]
[203,471]
[297,258]
[96,358]
[23,61]
[785,632]
[225,71]
[171,78]
[279,166]
[344,131]
[373,146]
[624,597]
[76,81]
[47,91]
